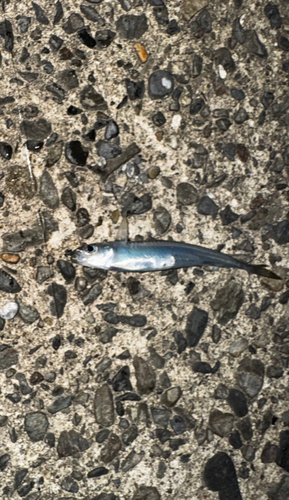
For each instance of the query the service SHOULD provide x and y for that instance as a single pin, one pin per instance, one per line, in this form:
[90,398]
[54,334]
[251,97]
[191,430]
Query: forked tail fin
[261,270]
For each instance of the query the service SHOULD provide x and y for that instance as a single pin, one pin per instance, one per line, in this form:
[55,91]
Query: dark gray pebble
[171,396]
[221,423]
[145,375]
[36,425]
[228,216]
[69,484]
[135,90]
[202,22]
[8,284]
[44,273]
[104,38]
[82,217]
[197,105]
[55,42]
[253,44]
[186,193]
[48,192]
[23,23]
[195,327]
[283,43]
[104,406]
[160,416]
[220,475]
[273,371]
[238,402]
[86,232]
[281,232]
[129,435]
[6,150]
[272,12]
[161,84]
[108,149]
[173,28]
[229,151]
[111,448]
[111,131]
[241,116]
[73,110]
[206,206]
[6,32]
[75,153]
[67,269]
[197,65]
[134,205]
[28,314]
[161,15]
[253,312]
[235,440]
[36,129]
[130,26]
[121,381]
[54,154]
[237,94]
[223,56]
[162,220]
[91,14]
[68,198]
[178,425]
[74,23]
[201,367]
[159,119]
[60,404]
[92,100]
[8,357]
[146,493]
[163,435]
[40,15]
[59,295]
[85,38]
[70,443]
[91,294]
[250,376]
[223,124]
[180,341]
[228,301]
[267,99]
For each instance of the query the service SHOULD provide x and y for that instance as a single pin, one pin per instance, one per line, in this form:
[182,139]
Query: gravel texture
[174,113]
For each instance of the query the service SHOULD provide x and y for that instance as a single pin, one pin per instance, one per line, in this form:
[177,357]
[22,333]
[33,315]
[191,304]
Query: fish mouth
[76,256]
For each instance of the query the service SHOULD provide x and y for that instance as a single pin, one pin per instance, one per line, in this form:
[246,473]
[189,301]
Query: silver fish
[157,256]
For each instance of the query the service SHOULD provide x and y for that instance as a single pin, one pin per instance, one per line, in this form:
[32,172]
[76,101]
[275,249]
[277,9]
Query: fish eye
[89,248]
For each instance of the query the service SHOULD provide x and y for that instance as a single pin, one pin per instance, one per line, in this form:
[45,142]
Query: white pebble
[176,121]
[166,83]
[222,72]
[9,310]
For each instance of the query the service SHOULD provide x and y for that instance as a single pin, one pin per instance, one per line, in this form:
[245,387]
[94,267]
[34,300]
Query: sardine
[158,256]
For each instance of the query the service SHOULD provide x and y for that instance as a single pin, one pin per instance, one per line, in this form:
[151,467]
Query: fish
[145,256]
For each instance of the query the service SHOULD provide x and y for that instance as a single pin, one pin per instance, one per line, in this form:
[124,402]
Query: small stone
[250,376]
[8,284]
[237,402]
[85,37]
[92,100]
[153,172]
[202,367]
[178,425]
[74,23]
[241,116]
[171,396]
[237,94]
[228,301]
[36,425]
[6,150]
[129,435]
[186,193]
[121,381]
[221,423]
[10,258]
[141,52]
[135,90]
[71,443]
[224,58]
[223,124]
[104,38]
[267,99]
[130,26]
[196,106]
[161,84]
[235,440]
[43,274]
[160,416]
[273,371]
[59,295]
[238,346]
[111,449]
[242,152]
[228,216]
[36,129]
[104,406]
[111,131]
[196,325]
[191,7]
[145,375]
[108,150]
[253,44]
[75,153]
[9,310]
[40,15]
[162,220]
[269,454]
[132,205]
[146,493]
[282,458]
[28,314]
[68,198]
[206,206]
[159,119]
[54,154]
[67,269]
[91,14]
[283,43]
[48,192]
[92,294]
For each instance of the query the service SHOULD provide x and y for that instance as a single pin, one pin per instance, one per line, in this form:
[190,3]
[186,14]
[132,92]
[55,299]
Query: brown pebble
[159,136]
[153,172]
[8,257]
[141,52]
[115,216]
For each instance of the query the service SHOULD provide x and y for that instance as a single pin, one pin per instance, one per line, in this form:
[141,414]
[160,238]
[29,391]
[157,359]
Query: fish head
[83,255]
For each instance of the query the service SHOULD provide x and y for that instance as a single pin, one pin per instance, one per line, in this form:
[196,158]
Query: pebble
[241,116]
[171,396]
[134,205]
[91,294]
[206,206]
[9,310]
[253,44]
[237,94]
[111,448]
[59,295]
[40,14]
[196,106]
[6,150]
[238,403]
[220,475]
[178,425]
[235,440]
[104,38]
[160,416]
[36,129]
[60,404]
[162,220]
[70,443]
[111,131]
[141,52]
[48,192]
[250,376]
[228,301]
[108,150]
[10,258]
[75,153]
[145,375]
[282,458]
[121,381]
[129,435]
[28,314]
[161,84]
[228,216]
[74,23]
[196,324]
[238,346]
[8,284]
[85,37]
[131,27]
[159,119]
[131,461]
[68,198]
[36,425]
[273,371]
[104,406]
[221,423]
[92,100]
[67,269]
[187,194]
[44,273]
[54,154]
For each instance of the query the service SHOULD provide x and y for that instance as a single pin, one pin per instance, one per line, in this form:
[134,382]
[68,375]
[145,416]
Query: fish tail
[261,270]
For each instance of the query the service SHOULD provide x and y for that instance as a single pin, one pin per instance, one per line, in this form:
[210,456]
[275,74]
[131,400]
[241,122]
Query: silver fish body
[157,256]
